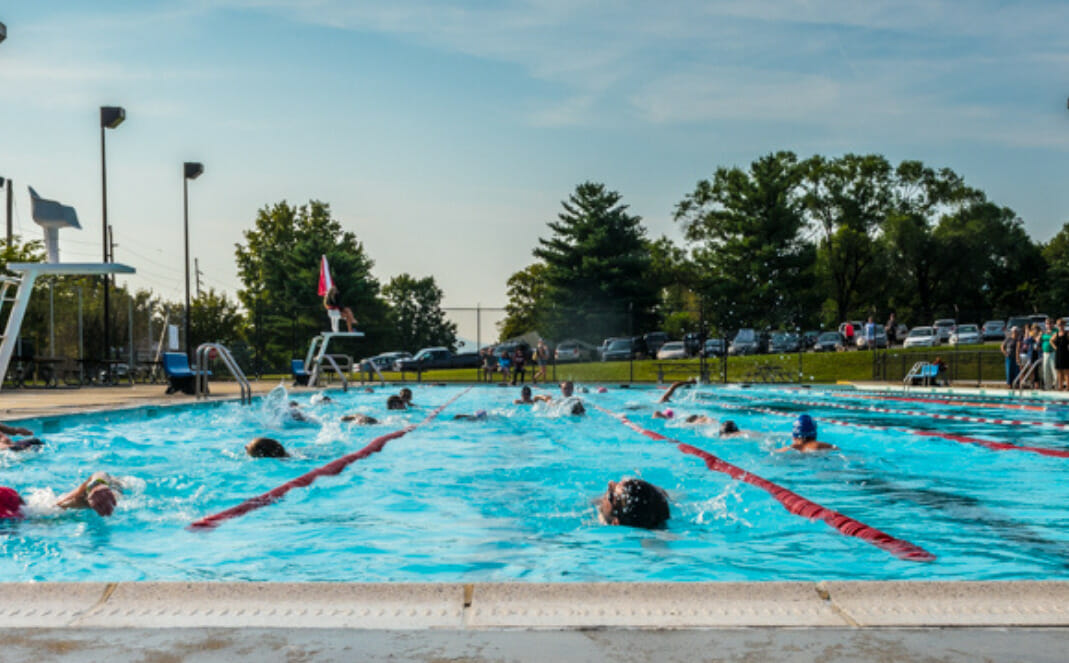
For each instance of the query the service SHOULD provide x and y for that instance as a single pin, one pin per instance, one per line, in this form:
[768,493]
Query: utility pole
[197,273]
[10,186]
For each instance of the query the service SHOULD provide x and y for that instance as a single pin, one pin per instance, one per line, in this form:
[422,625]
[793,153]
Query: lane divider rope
[964,439]
[934,415]
[332,468]
[951,399]
[793,502]
[943,401]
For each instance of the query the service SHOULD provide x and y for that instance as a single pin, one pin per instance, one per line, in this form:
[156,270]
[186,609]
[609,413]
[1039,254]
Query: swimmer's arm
[12,430]
[78,498]
[667,396]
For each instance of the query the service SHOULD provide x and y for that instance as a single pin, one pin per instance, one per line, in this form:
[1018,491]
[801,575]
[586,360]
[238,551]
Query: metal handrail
[330,360]
[1018,382]
[201,376]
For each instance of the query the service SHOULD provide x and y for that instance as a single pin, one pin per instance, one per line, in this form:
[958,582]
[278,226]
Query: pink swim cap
[602,390]
[10,503]
[668,413]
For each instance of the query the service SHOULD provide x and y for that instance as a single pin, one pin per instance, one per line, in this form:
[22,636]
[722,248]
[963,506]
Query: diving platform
[27,274]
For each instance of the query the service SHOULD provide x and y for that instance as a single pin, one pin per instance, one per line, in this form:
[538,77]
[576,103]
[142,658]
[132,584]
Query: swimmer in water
[525,397]
[567,391]
[479,414]
[98,493]
[804,437]
[406,396]
[296,414]
[667,395]
[360,419]
[17,445]
[266,447]
[666,413]
[395,402]
[633,503]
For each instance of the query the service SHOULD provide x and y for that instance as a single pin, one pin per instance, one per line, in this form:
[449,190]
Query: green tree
[755,266]
[214,318]
[417,315]
[597,268]
[1054,292]
[848,200]
[526,305]
[279,268]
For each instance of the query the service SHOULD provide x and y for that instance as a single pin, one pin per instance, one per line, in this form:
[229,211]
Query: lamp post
[190,171]
[110,117]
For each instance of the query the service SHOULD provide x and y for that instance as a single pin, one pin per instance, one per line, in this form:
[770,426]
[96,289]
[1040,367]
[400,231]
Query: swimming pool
[510,498]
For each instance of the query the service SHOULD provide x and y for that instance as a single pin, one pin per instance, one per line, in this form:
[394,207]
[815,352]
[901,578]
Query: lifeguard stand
[52,216]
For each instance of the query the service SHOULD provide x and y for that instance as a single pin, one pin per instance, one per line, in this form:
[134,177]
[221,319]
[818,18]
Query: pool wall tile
[907,604]
[650,605]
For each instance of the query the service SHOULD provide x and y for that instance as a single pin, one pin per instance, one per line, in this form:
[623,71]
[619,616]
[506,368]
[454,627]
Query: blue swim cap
[804,427]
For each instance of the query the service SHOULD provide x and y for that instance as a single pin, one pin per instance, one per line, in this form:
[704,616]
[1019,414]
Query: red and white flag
[325,282]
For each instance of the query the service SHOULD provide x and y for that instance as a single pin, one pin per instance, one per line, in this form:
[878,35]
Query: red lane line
[332,468]
[793,502]
[989,444]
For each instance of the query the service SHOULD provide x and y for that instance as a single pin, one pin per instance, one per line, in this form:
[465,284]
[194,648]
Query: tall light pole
[110,117]
[190,171]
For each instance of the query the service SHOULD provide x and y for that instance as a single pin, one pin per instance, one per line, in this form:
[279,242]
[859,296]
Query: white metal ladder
[18,302]
[1025,375]
[201,371]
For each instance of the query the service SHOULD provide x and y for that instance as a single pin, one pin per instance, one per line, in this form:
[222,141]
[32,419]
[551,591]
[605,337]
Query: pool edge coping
[535,606]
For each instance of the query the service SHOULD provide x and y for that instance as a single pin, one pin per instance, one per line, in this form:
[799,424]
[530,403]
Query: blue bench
[300,376]
[179,375]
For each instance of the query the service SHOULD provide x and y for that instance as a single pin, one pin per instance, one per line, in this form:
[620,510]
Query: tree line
[788,243]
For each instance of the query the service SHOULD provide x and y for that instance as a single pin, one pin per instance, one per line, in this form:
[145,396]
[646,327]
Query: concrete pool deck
[782,621]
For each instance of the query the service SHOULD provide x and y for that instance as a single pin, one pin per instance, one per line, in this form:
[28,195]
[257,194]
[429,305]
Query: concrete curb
[535,606]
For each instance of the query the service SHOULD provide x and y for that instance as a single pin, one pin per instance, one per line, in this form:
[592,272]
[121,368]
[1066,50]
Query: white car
[966,335]
[921,337]
[944,328]
[672,350]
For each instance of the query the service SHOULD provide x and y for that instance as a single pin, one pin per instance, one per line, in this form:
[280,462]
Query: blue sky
[445,134]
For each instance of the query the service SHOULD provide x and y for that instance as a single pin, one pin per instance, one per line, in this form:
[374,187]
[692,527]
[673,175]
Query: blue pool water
[511,497]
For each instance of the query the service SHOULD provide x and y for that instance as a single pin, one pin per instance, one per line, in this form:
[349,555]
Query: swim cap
[602,390]
[668,413]
[804,427]
[728,427]
[10,503]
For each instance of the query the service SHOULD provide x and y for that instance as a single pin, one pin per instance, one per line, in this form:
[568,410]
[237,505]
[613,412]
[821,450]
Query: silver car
[966,335]
[921,337]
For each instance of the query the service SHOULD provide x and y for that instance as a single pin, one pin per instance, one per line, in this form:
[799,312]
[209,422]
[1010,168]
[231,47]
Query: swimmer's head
[577,408]
[804,428]
[634,503]
[294,404]
[406,395]
[395,402]
[602,390]
[669,413]
[525,393]
[567,388]
[266,447]
[101,498]
[10,503]
[727,427]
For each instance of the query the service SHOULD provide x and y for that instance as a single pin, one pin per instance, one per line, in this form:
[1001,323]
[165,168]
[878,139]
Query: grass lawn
[965,366]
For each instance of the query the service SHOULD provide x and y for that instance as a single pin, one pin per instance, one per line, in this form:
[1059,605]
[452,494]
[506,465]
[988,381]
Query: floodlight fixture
[111,116]
[193,170]
[3,32]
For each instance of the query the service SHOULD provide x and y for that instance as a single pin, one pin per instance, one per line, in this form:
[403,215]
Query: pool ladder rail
[201,379]
[1025,376]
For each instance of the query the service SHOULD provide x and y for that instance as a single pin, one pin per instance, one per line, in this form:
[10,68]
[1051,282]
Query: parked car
[783,342]
[966,335]
[748,342]
[622,349]
[575,350]
[944,327]
[809,338]
[653,342]
[862,340]
[672,350]
[437,358]
[921,337]
[692,341]
[1039,319]
[829,341]
[994,330]
[1019,321]
[383,361]
[714,347]
[859,328]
